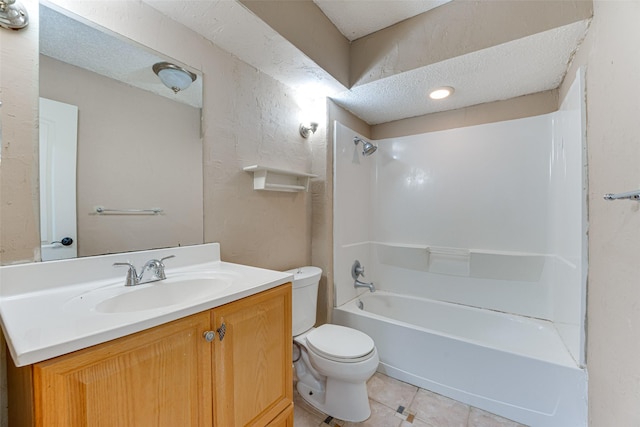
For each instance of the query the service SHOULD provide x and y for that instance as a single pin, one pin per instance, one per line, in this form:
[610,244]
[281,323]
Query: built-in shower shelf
[272,179]
[486,264]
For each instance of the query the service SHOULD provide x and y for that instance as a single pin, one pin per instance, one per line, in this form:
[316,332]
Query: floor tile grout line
[396,407]
[304,406]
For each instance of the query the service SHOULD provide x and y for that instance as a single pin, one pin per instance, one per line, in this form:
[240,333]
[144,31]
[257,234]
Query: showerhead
[367,147]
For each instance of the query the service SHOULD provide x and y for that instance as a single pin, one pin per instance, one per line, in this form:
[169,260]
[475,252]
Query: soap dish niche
[272,179]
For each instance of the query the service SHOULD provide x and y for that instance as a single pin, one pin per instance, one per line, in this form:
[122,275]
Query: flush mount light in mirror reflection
[138,143]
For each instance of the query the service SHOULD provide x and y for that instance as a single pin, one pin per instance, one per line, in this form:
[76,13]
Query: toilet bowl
[333,363]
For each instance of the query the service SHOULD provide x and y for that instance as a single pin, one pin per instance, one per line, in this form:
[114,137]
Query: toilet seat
[340,344]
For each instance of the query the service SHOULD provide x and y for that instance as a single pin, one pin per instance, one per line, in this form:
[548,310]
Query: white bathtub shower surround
[482,187]
[490,216]
[481,201]
[510,365]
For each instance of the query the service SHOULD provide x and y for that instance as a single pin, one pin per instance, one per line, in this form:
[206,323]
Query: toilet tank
[305,297]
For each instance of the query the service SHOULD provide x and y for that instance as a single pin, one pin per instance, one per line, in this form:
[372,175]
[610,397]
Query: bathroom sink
[178,290]
[163,294]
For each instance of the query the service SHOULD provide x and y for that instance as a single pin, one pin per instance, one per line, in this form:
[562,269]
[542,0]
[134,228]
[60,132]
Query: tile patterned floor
[386,394]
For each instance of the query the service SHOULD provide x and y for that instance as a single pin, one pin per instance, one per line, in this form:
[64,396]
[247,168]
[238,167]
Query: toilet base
[344,400]
[337,388]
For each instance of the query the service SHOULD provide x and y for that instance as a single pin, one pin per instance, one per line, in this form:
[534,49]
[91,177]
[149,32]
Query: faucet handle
[160,267]
[157,269]
[132,278]
[357,270]
[167,257]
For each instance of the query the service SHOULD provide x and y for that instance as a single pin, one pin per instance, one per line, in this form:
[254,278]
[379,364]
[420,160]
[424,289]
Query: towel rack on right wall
[631,195]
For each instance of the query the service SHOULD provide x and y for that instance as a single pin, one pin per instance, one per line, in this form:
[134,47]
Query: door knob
[66,241]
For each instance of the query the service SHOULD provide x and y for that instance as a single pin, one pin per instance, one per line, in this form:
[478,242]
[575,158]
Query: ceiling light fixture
[441,92]
[174,77]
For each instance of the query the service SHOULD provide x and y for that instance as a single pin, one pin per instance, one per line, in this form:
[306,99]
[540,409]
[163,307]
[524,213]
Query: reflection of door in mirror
[58,142]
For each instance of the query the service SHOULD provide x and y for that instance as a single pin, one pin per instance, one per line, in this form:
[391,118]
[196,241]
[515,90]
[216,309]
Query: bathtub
[513,366]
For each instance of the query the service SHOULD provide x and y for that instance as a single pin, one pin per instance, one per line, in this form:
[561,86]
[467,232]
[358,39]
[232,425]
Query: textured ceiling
[358,18]
[508,70]
[512,69]
[527,65]
[232,27]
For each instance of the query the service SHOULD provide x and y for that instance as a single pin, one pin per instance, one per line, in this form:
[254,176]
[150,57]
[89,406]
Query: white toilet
[333,363]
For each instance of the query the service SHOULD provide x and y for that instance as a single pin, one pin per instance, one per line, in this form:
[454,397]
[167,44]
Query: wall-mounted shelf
[271,179]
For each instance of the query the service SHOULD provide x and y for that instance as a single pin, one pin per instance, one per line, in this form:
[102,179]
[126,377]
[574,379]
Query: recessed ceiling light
[441,92]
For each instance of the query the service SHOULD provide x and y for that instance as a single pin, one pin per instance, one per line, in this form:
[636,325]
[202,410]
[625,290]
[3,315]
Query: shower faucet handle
[357,270]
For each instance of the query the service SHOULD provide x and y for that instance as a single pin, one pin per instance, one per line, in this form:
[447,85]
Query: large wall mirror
[120,152]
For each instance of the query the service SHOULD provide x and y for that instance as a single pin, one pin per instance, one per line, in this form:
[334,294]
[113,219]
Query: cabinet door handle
[221,331]
[209,336]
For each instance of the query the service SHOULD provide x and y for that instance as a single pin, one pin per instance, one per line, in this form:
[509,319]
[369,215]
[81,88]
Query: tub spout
[359,284]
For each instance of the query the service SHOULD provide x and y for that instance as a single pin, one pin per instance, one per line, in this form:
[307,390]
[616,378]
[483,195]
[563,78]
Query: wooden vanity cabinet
[171,375]
[161,377]
[253,360]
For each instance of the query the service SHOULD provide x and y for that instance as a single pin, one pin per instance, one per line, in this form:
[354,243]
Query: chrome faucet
[156,266]
[357,270]
[359,284]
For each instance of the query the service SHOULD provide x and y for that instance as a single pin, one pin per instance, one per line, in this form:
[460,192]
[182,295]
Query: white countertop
[44,312]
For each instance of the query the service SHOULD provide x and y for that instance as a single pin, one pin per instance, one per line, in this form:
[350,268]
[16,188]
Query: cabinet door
[285,419]
[158,377]
[252,370]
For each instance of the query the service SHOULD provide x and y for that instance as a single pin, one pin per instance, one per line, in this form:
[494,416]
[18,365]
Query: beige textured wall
[136,150]
[610,53]
[254,120]
[19,199]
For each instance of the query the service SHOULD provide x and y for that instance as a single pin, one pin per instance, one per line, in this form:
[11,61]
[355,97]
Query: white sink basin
[178,290]
[163,294]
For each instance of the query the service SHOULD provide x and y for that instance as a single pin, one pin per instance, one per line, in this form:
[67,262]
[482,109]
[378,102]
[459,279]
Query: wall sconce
[174,77]
[307,129]
[13,15]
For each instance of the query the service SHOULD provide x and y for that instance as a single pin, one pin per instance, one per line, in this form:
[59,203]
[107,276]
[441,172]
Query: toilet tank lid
[305,276]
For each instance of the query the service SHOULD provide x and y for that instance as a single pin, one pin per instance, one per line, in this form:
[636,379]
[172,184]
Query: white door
[58,143]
